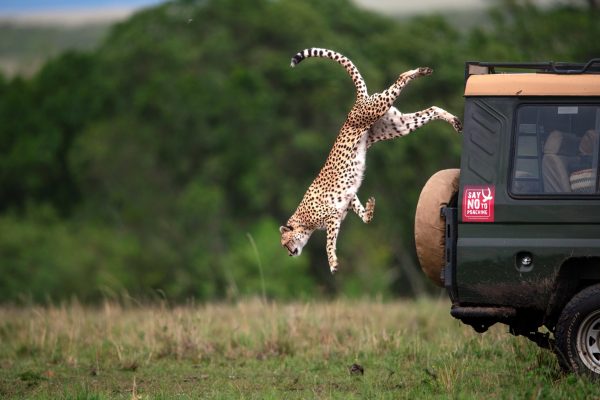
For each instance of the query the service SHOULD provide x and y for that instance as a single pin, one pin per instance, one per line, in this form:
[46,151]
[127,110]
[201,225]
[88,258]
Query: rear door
[529,196]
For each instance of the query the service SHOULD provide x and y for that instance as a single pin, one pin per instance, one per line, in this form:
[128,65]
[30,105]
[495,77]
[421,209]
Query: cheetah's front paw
[333,268]
[369,210]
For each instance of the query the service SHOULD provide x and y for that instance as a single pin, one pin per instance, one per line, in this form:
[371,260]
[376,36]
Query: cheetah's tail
[358,80]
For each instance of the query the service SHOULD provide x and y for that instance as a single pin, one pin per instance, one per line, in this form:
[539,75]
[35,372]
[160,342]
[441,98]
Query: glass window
[556,150]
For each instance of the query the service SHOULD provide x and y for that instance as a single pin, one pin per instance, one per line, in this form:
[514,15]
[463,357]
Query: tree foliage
[166,159]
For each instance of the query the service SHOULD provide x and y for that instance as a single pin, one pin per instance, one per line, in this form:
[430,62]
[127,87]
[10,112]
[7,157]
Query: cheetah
[333,192]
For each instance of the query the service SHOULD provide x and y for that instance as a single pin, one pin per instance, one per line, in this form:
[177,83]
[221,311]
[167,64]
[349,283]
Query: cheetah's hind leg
[366,214]
[391,93]
[395,124]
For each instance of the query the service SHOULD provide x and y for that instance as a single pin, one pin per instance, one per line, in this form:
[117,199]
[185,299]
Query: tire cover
[430,226]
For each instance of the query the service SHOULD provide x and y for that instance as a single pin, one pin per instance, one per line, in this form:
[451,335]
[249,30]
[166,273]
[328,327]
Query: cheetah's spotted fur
[333,192]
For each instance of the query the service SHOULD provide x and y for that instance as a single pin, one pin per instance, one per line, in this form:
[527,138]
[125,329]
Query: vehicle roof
[533,84]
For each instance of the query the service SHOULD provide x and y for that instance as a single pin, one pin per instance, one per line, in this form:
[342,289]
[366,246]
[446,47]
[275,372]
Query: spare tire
[430,226]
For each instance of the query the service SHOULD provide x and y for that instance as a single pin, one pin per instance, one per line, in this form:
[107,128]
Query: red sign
[478,203]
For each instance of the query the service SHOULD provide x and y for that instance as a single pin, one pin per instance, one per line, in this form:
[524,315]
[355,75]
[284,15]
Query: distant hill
[25,47]
[28,40]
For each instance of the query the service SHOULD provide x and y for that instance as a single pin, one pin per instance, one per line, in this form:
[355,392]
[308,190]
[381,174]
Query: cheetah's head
[294,237]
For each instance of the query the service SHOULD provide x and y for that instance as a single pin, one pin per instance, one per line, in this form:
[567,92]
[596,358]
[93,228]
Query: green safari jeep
[514,235]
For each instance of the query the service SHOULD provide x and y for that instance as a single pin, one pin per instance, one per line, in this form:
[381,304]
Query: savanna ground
[256,350]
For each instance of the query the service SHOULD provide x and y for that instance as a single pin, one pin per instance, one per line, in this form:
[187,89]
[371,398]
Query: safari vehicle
[514,235]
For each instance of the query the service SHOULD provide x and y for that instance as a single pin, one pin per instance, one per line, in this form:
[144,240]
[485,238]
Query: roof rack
[484,68]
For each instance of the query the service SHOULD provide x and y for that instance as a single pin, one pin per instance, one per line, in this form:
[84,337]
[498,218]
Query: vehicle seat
[583,178]
[560,150]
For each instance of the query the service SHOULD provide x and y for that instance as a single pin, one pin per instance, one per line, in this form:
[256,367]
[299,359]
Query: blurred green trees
[166,160]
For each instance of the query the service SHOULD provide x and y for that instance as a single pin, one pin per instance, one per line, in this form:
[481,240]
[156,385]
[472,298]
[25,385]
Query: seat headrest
[559,143]
[588,143]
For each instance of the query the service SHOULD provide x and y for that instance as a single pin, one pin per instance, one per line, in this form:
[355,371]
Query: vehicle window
[556,150]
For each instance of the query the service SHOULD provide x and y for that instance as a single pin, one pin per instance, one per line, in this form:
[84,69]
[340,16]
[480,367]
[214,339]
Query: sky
[69,12]
[23,6]
[20,7]
[83,10]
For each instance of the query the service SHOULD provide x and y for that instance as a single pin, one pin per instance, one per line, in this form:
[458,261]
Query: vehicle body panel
[549,228]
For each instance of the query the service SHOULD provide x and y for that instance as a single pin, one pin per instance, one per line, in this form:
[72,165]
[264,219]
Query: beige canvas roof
[533,85]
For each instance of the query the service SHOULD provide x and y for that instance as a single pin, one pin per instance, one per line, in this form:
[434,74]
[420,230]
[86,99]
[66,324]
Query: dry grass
[246,329]
[256,350]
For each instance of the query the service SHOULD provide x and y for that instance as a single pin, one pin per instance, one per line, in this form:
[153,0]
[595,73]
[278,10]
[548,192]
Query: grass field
[252,350]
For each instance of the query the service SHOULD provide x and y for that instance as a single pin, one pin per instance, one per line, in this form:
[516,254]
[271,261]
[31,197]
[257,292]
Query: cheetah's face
[294,239]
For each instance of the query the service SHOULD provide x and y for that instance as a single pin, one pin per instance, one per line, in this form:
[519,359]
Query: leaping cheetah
[333,192]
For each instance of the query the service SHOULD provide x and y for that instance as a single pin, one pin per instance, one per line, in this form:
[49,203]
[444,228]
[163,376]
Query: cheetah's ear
[283,229]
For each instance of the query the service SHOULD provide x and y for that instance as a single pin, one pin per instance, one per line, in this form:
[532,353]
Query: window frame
[514,148]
